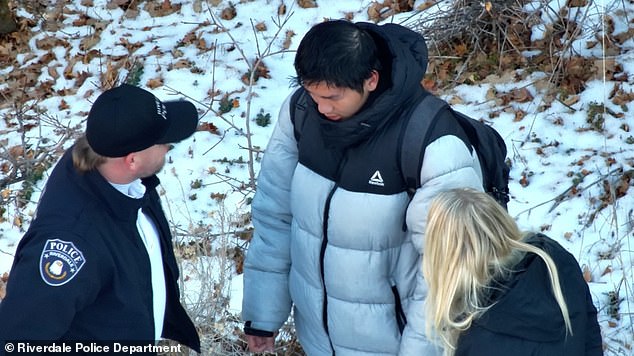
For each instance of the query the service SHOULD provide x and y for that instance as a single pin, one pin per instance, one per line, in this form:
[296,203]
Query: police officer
[97,262]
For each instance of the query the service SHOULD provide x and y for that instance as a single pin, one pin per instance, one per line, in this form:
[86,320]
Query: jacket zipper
[401,319]
[322,254]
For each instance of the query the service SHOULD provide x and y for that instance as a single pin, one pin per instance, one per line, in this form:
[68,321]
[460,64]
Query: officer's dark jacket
[104,291]
[526,320]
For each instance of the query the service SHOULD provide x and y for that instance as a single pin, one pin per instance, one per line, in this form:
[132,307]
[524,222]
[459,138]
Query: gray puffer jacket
[336,235]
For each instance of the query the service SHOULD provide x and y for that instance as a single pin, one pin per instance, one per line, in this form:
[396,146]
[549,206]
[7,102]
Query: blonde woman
[496,291]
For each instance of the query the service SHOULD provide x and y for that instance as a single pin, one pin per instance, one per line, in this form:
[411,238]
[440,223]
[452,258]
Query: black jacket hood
[515,313]
[527,320]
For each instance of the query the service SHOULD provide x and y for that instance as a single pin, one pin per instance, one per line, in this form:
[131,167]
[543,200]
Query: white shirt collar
[134,189]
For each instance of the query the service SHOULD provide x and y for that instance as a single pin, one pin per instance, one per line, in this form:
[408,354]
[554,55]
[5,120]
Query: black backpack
[487,142]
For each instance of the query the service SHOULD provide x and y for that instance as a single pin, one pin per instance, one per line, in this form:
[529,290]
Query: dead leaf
[52,71]
[197,6]
[81,78]
[113,4]
[488,6]
[68,71]
[182,63]
[132,13]
[16,152]
[130,46]
[63,105]
[374,12]
[281,10]
[571,100]
[51,42]
[287,39]
[461,49]
[491,94]
[3,290]
[154,83]
[425,5]
[156,51]
[519,115]
[81,21]
[456,100]
[622,98]
[261,71]
[622,186]
[522,95]
[209,127]
[306,4]
[162,8]
[89,42]
[577,3]
[17,221]
[110,76]
[5,49]
[623,37]
[228,13]
[238,259]
[261,26]
[90,55]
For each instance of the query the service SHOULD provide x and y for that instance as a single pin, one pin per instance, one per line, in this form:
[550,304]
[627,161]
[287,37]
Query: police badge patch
[60,262]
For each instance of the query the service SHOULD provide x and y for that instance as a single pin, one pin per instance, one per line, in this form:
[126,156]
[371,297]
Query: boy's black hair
[337,53]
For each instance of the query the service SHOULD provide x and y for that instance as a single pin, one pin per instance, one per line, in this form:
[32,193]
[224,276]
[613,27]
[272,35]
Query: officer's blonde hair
[471,241]
[84,158]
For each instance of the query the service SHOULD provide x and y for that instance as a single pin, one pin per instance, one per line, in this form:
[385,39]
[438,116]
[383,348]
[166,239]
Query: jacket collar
[94,184]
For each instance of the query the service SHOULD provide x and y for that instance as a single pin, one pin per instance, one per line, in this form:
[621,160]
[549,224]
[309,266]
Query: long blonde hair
[84,158]
[471,241]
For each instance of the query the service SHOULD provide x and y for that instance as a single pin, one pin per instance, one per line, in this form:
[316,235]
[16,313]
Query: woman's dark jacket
[527,321]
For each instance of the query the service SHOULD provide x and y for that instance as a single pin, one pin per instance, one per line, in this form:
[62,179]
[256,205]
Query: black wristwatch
[256,332]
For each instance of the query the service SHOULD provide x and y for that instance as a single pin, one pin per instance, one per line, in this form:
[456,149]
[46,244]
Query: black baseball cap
[128,119]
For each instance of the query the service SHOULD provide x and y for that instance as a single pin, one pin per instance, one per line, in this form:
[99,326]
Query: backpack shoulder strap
[415,138]
[297,108]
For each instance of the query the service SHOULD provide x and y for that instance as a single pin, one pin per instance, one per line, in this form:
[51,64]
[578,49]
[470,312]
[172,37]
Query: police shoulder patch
[60,262]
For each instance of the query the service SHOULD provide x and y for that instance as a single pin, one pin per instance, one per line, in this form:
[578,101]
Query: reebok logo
[376,179]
